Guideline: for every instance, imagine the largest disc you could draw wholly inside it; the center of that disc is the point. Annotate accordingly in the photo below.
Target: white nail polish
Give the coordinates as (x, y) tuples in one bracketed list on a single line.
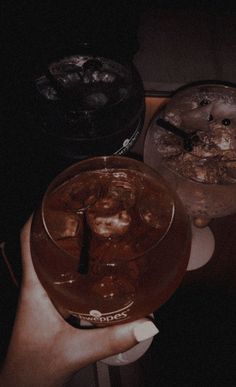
[(145, 331)]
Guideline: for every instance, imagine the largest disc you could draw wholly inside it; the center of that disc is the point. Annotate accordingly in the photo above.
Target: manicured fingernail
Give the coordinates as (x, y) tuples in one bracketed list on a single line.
[(145, 331)]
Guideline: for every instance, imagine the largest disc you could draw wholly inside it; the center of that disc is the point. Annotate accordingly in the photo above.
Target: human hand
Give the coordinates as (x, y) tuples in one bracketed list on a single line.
[(44, 349)]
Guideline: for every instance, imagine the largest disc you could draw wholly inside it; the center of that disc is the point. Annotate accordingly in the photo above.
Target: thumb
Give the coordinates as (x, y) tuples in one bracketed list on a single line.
[(100, 343)]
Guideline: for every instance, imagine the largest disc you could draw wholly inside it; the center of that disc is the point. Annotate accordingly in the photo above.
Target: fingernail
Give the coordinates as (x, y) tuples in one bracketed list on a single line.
[(145, 331)]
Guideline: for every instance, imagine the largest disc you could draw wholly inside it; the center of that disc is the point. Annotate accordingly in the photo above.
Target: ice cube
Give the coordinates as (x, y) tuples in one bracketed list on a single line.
[(184, 112), (157, 211), (109, 225), (149, 211), (73, 77), (221, 109), (196, 119), (107, 77), (97, 100), (62, 224), (124, 192), (168, 144)]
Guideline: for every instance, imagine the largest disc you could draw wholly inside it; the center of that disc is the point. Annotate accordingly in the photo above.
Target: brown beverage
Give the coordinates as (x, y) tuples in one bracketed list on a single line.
[(111, 241)]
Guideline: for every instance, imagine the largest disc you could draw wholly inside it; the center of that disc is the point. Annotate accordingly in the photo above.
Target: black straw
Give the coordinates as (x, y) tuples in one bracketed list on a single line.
[(188, 138)]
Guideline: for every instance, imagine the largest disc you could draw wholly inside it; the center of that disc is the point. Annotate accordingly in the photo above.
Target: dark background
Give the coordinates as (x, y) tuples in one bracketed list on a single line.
[(196, 346)]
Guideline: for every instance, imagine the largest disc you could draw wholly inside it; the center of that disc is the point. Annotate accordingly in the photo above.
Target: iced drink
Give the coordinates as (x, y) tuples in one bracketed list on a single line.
[(121, 217), (86, 105), (204, 176)]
